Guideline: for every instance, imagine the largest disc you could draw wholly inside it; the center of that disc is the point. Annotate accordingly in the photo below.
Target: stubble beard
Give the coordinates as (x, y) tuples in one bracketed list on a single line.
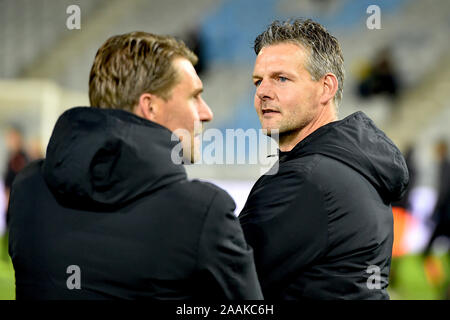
[(288, 129)]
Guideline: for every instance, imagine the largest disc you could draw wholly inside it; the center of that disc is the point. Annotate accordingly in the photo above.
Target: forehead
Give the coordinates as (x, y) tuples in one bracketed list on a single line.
[(281, 55)]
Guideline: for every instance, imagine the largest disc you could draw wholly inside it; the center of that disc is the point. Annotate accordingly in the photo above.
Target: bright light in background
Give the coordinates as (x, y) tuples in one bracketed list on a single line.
[(238, 190), (422, 200)]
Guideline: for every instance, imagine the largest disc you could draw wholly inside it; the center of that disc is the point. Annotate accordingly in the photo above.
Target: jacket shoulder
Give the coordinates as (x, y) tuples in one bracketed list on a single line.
[(322, 170), (336, 175), (203, 191)]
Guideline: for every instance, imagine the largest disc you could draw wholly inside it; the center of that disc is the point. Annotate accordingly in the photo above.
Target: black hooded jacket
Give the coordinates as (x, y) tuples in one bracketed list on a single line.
[(109, 202), (322, 226)]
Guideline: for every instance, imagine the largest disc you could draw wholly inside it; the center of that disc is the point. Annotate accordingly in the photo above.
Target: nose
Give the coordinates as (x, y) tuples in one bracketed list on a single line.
[(204, 112), (264, 91)]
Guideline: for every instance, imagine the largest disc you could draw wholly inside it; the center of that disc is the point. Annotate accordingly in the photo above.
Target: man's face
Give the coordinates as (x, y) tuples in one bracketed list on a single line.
[(13, 140), (185, 110), (286, 97)]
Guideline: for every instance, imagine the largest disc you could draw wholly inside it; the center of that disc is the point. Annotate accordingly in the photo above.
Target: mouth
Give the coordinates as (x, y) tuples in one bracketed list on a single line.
[(269, 112)]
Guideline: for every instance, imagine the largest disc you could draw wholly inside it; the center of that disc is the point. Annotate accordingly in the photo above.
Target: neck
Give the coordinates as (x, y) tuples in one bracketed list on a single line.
[(326, 115)]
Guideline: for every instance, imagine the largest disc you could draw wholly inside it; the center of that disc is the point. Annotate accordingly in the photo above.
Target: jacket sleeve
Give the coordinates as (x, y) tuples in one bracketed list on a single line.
[(225, 261)]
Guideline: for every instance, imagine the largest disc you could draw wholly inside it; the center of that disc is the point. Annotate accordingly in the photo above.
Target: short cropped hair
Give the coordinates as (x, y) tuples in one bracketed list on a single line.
[(128, 65), (325, 54)]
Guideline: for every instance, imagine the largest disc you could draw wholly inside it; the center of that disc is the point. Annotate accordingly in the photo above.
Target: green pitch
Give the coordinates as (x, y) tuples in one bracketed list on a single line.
[(408, 278), (7, 289)]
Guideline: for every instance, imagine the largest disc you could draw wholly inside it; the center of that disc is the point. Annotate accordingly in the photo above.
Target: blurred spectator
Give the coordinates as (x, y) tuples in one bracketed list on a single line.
[(381, 78), (440, 219), (17, 158), (34, 149), (441, 215), (403, 219)]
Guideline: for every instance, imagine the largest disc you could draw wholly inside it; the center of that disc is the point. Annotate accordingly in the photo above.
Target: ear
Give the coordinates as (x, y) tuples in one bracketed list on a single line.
[(330, 87), (147, 106)]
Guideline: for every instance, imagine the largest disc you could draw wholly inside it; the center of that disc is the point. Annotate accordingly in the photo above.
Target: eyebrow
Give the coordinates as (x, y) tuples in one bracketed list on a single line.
[(274, 74), (197, 91)]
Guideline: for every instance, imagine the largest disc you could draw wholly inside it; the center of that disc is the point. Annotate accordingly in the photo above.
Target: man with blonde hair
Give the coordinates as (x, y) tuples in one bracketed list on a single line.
[(108, 214)]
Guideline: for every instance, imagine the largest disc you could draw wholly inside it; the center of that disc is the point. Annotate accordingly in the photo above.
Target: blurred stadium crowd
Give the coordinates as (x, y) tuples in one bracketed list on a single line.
[(398, 75)]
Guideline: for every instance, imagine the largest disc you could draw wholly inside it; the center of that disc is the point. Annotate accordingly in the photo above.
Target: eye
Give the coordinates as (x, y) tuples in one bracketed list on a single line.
[(282, 79), (197, 96), (257, 83)]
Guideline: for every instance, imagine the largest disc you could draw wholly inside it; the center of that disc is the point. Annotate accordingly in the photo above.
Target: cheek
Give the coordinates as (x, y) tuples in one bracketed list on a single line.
[(194, 111), (190, 115), (314, 91), (182, 116), (256, 103), (289, 99), (297, 97)]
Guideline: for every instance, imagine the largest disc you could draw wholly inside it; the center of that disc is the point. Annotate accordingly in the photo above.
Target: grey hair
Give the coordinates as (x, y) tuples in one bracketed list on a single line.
[(325, 54)]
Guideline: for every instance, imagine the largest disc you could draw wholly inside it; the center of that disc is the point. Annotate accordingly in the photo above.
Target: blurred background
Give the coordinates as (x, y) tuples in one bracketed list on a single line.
[(398, 74)]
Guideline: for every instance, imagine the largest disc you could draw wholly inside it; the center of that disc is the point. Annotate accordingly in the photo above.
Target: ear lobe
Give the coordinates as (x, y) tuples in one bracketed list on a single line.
[(330, 87)]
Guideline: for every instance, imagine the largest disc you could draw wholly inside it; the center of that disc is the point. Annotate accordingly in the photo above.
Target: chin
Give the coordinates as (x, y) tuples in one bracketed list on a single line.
[(270, 131)]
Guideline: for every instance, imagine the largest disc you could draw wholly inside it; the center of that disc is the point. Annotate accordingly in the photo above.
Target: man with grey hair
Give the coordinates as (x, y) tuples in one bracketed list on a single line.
[(322, 226)]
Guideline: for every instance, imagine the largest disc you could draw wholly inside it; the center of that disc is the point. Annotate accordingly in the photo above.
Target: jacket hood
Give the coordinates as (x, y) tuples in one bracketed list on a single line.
[(108, 157), (358, 143)]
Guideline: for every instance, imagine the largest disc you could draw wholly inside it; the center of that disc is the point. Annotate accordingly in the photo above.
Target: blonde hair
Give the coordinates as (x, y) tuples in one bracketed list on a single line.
[(128, 65)]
